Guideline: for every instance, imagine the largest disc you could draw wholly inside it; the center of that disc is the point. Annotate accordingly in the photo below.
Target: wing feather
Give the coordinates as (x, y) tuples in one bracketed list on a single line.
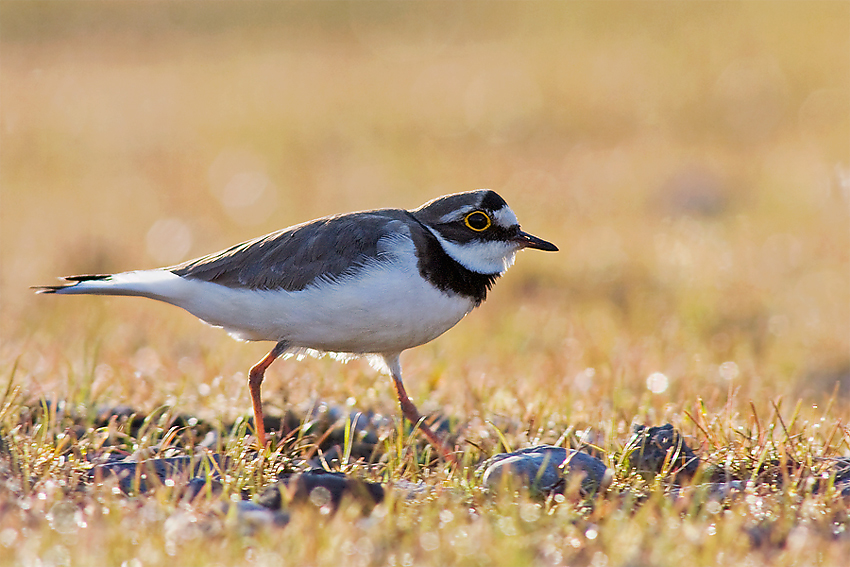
[(293, 258)]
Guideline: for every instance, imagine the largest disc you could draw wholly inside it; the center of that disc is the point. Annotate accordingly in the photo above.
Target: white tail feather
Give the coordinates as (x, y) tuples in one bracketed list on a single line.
[(155, 284)]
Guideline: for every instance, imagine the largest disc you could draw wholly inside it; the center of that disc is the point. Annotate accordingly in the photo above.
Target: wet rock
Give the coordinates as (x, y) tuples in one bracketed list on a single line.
[(650, 449), (321, 488), (841, 469), (837, 473), (250, 517), (202, 485), (144, 475), (546, 469)]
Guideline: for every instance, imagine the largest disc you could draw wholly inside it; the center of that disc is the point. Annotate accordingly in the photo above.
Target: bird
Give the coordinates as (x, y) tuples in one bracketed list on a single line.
[(369, 283)]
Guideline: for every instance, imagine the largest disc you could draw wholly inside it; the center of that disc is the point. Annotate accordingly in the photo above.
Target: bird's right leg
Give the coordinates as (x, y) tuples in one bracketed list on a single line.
[(408, 409), (255, 380)]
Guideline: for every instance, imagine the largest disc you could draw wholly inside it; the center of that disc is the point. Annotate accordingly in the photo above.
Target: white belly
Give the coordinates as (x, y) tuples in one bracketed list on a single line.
[(387, 308)]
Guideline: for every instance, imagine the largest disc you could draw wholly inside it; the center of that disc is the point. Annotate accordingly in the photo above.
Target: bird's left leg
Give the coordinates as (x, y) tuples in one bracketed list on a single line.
[(255, 380), (408, 409)]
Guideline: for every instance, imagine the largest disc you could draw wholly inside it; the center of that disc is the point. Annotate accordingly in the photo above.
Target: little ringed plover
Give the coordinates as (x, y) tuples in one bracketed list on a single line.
[(372, 282)]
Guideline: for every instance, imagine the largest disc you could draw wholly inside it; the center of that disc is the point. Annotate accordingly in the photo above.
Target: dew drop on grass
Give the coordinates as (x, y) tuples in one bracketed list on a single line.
[(429, 541), (728, 370), (62, 517), (57, 555), (584, 379), (506, 526), (8, 537), (599, 560), (530, 512), (364, 547), (657, 383), (320, 496), (146, 361)]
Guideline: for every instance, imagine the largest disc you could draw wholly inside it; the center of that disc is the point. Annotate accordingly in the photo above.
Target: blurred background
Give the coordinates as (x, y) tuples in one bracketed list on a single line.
[(691, 160)]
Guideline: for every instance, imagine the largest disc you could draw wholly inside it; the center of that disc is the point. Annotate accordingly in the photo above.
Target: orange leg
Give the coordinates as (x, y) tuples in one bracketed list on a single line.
[(408, 409), (255, 380)]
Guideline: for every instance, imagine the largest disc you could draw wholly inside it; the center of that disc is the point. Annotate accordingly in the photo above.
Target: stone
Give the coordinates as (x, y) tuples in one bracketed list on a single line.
[(144, 475), (649, 447), (546, 469), (251, 517), (320, 487)]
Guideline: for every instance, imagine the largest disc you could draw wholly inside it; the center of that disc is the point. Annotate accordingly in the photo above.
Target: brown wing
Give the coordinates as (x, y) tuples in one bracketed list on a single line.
[(292, 258)]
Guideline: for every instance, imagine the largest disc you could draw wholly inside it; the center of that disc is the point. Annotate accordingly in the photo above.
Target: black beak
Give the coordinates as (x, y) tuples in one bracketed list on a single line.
[(525, 240)]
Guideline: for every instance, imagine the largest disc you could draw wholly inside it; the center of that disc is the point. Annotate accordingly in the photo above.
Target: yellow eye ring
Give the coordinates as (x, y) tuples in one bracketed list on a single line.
[(478, 221)]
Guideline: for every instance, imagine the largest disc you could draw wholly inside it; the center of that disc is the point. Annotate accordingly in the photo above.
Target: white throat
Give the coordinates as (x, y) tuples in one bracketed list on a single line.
[(481, 257)]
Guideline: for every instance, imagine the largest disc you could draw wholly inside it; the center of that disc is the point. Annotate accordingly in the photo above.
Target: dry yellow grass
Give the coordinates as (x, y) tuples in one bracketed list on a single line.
[(691, 160)]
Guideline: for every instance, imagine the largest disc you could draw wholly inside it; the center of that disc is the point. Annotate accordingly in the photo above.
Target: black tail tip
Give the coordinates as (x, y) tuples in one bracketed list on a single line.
[(87, 278), (46, 288), (72, 281)]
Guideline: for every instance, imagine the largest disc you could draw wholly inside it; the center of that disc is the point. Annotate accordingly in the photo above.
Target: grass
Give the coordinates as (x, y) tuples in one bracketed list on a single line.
[(690, 160)]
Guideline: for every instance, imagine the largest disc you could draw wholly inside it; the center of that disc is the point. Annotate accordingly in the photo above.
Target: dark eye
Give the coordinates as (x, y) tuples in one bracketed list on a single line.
[(477, 221)]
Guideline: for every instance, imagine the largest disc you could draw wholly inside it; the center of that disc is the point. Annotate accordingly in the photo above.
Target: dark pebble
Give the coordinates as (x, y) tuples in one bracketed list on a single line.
[(250, 517), (648, 450), (321, 487), (143, 476)]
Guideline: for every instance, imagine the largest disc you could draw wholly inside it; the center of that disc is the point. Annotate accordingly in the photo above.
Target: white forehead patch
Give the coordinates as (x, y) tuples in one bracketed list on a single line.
[(505, 217)]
